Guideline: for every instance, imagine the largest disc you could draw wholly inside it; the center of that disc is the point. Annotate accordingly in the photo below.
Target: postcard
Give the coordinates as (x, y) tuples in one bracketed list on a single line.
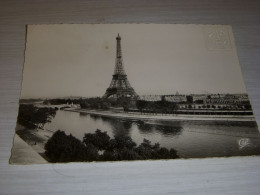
[(121, 92)]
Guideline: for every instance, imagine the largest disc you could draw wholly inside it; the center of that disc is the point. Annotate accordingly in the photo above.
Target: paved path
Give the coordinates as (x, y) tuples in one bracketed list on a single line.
[(22, 153)]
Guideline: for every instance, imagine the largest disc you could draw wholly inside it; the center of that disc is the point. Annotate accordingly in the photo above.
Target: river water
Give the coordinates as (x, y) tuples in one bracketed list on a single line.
[(191, 139)]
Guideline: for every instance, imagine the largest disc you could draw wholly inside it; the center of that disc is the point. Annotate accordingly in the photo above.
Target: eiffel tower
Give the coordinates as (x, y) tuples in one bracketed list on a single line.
[(119, 86)]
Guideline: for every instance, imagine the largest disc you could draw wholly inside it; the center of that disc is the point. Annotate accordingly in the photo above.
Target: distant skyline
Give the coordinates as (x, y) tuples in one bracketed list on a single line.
[(78, 60)]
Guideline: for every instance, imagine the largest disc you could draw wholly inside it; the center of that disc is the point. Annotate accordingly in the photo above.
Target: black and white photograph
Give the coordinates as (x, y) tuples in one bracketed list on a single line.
[(124, 92)]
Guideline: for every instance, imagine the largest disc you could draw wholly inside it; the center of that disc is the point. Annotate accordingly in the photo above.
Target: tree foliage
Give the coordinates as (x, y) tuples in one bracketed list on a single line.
[(99, 146), (31, 116), (66, 148), (98, 139), (106, 103), (162, 106)]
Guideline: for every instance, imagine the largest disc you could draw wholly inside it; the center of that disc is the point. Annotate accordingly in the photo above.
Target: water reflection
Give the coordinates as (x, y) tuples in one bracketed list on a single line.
[(94, 117), (82, 114), (169, 130), (119, 127), (162, 128), (189, 138), (144, 127)]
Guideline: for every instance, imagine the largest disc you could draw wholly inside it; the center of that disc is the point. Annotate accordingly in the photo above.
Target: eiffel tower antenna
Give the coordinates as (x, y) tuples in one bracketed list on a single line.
[(119, 86)]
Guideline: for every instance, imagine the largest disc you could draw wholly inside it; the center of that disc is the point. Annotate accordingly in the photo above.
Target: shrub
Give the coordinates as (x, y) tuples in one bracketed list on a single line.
[(31, 116), (66, 148), (100, 139)]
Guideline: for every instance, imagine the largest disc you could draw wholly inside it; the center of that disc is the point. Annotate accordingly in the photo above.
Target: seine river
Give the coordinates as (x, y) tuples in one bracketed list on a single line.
[(189, 138)]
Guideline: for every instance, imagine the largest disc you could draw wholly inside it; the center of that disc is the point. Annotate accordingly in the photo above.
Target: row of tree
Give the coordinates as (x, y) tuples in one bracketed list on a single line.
[(99, 146), (162, 106), (105, 104), (31, 116), (94, 103), (59, 101)]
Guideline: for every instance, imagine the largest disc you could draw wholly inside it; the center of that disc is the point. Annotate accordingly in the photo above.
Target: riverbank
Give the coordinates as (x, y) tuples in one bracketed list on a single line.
[(165, 117), (35, 138), (23, 153)]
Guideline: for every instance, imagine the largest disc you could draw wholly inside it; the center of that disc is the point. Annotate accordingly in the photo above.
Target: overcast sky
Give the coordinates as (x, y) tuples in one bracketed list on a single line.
[(78, 60)]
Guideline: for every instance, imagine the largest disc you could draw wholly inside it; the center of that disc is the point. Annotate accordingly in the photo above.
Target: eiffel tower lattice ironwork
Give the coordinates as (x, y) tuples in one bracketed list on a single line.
[(119, 86)]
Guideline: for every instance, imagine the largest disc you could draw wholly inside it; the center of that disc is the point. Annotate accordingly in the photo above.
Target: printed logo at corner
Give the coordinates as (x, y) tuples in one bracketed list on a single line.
[(217, 37), (244, 142)]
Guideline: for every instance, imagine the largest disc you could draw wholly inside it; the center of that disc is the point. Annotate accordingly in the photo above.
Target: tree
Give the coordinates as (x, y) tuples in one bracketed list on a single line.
[(83, 105), (99, 139), (31, 116), (105, 105), (123, 141), (108, 155), (66, 148), (148, 151), (173, 154), (248, 107), (189, 99), (128, 154), (141, 104)]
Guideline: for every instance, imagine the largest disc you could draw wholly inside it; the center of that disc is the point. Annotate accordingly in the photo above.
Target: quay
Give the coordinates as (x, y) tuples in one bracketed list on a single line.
[(172, 117)]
